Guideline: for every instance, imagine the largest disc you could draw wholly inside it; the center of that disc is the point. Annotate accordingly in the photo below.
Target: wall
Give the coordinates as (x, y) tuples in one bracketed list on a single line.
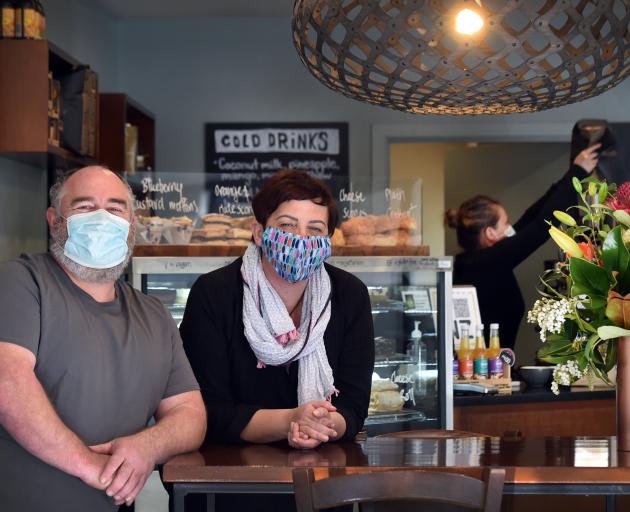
[(425, 161), (192, 71), (516, 175), (90, 35)]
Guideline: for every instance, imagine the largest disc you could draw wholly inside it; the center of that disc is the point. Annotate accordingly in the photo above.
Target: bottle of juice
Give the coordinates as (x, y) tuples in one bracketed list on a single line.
[(495, 364), (464, 355), (480, 357)]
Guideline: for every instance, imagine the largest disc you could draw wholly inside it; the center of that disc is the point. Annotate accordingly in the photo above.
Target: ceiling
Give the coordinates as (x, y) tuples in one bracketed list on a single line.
[(181, 8)]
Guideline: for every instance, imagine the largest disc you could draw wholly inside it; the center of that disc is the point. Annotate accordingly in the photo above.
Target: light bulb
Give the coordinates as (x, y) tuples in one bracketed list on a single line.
[(468, 22)]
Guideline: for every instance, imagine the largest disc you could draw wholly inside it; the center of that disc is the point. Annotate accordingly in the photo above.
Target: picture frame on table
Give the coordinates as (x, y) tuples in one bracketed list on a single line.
[(465, 310), (418, 304), (416, 300)]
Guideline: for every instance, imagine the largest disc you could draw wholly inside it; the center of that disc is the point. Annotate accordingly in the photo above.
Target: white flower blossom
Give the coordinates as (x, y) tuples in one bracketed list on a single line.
[(566, 374), (549, 315)]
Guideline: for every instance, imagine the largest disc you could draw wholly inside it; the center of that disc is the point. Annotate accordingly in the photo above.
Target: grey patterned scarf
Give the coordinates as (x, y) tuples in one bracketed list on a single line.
[(273, 336)]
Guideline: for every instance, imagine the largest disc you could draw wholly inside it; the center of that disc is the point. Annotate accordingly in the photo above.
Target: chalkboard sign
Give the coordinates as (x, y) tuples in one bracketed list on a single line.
[(246, 154)]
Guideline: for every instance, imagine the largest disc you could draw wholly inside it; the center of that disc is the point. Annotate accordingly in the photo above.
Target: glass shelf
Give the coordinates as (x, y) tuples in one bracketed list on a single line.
[(392, 362), (394, 417)]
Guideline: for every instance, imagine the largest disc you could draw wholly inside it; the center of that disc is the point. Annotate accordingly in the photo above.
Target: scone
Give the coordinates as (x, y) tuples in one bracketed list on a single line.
[(360, 225), (359, 240), (243, 222), (386, 223), (237, 234), (217, 218), (212, 231), (338, 238)]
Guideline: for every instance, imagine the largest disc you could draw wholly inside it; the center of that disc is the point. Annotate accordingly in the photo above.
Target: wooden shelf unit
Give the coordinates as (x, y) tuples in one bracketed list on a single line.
[(24, 103), (117, 109)]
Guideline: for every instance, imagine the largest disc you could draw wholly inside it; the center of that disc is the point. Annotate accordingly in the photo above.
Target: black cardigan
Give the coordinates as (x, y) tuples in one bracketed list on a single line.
[(233, 388), (490, 269)]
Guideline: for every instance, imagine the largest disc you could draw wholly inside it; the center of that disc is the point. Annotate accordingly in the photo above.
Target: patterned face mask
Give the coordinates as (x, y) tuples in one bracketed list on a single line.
[(294, 258)]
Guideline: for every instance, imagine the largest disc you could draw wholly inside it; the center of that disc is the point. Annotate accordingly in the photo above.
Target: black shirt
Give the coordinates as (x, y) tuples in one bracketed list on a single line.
[(491, 269), (233, 388)]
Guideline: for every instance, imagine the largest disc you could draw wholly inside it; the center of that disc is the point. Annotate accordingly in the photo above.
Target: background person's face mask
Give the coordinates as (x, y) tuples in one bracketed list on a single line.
[(96, 239), (293, 257), (510, 231)]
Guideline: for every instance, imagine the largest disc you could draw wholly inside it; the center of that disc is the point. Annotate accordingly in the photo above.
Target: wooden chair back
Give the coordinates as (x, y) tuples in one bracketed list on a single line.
[(405, 485)]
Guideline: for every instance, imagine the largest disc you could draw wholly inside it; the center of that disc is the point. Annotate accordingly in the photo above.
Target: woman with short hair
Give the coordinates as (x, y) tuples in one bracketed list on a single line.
[(282, 343)]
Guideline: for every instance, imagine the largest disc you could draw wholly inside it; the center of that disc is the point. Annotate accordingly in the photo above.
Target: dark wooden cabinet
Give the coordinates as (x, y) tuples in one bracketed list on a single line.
[(117, 110), (25, 65)]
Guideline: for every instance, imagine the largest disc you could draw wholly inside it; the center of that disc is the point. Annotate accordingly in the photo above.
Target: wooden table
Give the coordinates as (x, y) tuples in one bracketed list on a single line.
[(549, 465)]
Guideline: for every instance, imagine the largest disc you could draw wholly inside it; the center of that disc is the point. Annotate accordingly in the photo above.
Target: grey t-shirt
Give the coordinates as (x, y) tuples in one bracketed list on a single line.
[(104, 366)]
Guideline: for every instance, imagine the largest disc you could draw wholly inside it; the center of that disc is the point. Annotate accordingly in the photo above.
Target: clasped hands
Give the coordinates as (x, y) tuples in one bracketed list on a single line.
[(312, 424), (120, 467)]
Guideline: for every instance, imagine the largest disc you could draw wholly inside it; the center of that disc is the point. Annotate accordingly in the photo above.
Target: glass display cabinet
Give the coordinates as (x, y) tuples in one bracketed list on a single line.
[(411, 384)]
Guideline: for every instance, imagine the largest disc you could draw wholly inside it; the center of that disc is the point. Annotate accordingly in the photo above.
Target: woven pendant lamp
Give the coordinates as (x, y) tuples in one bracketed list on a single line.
[(465, 56)]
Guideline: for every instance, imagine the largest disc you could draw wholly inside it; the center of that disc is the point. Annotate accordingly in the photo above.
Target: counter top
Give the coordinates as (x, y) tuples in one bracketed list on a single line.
[(536, 395), (550, 460)]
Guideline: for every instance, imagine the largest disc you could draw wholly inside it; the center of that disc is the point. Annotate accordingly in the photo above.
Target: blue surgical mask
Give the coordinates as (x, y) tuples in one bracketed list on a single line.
[(97, 239), (510, 231)]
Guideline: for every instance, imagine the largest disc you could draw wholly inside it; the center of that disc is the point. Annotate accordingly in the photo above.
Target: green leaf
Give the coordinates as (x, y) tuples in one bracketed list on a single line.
[(603, 192), (622, 217), (608, 332), (579, 207), (589, 277), (577, 185), (611, 355), (565, 218), (590, 346), (570, 328), (557, 350), (614, 252)]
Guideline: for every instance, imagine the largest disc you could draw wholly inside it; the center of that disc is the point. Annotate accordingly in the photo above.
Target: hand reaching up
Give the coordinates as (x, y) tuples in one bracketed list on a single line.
[(587, 159)]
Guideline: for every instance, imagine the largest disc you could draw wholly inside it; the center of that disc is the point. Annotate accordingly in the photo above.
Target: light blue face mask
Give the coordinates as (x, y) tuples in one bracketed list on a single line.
[(97, 239)]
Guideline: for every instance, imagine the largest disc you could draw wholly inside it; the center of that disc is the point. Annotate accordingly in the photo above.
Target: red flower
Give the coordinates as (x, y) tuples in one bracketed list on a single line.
[(621, 201), (587, 250)]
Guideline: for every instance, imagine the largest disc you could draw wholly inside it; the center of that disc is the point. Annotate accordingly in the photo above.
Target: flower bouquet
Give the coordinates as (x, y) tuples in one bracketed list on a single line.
[(585, 303)]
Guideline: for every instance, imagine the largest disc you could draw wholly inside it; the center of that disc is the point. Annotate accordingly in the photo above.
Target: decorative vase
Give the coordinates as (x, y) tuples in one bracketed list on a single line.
[(623, 394)]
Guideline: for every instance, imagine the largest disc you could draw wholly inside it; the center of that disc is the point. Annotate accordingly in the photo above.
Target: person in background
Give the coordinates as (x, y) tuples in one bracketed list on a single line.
[(492, 247), (86, 361), (282, 344)]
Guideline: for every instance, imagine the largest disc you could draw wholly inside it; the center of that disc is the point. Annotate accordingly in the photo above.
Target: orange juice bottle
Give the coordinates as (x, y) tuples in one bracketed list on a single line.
[(464, 355), (495, 364), (479, 355)]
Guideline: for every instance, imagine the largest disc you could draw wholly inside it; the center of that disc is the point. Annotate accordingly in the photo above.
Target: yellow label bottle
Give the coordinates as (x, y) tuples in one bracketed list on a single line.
[(464, 355), (495, 364), (480, 357)]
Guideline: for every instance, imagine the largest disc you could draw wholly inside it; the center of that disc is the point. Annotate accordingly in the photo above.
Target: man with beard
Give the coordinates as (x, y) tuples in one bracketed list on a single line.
[(86, 361)]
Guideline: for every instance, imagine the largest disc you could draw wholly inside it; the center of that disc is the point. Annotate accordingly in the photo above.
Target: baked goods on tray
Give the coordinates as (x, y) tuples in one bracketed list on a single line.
[(380, 230), (384, 396), (218, 229), (213, 229)]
